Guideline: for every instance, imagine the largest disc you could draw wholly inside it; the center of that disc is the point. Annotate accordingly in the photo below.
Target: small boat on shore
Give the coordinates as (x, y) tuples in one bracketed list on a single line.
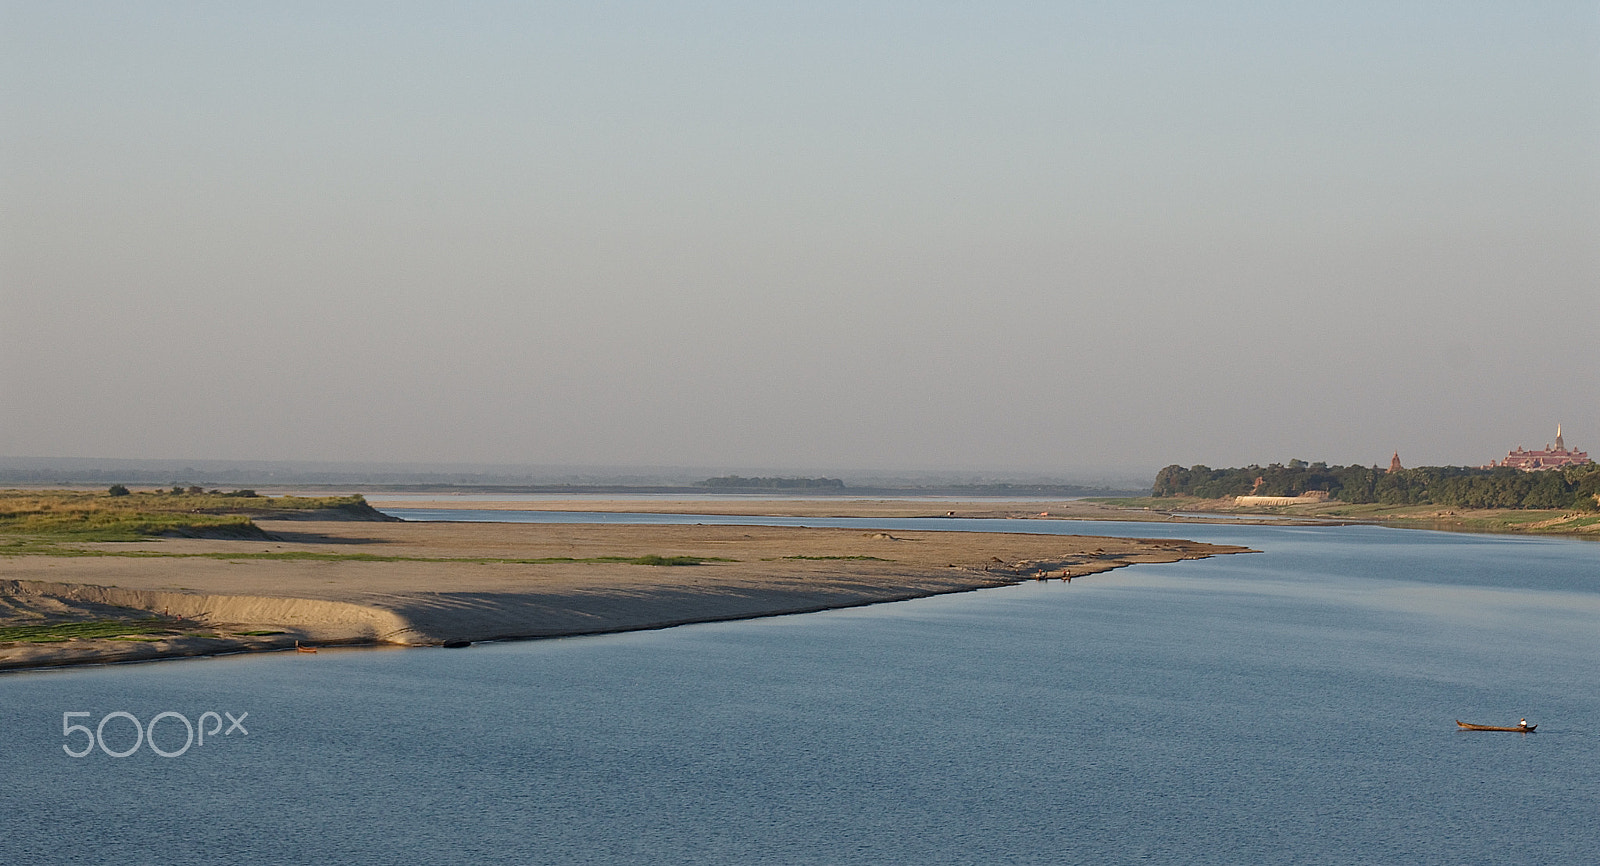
[(1521, 729)]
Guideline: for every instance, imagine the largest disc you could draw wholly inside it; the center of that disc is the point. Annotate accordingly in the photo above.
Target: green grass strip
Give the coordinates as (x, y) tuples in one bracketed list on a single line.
[(857, 558), (61, 631), (36, 548)]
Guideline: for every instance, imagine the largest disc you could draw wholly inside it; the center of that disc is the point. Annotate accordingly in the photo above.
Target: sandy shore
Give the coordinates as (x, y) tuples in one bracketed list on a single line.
[(450, 582)]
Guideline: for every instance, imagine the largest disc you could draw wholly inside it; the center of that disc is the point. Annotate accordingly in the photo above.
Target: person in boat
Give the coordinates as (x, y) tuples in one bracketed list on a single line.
[(1522, 723)]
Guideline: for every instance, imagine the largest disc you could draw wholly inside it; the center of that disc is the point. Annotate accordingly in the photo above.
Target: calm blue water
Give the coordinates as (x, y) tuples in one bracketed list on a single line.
[(1293, 706)]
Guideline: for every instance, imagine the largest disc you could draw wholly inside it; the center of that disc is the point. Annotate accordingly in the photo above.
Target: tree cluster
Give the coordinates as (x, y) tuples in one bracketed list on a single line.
[(180, 490), (1571, 487)]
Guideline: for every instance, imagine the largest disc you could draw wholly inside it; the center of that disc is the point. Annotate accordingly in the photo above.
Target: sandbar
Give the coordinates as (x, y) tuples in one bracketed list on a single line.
[(840, 506), (410, 584)]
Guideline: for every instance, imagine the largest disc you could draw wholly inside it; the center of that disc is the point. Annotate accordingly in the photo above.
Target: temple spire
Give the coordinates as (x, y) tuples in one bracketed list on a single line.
[(1559, 446)]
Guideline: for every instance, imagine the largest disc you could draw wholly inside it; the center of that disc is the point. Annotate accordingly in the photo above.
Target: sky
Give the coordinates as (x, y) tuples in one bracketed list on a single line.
[(807, 237)]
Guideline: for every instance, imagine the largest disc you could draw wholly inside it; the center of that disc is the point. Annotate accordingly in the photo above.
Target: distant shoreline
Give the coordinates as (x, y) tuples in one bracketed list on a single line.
[(1495, 521), (1145, 509)]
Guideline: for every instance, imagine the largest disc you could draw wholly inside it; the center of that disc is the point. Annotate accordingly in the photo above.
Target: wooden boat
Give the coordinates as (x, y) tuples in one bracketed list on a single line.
[(1518, 728), (303, 649)]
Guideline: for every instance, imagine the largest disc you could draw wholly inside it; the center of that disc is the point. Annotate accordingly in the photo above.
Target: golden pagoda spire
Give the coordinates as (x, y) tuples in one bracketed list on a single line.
[(1559, 446)]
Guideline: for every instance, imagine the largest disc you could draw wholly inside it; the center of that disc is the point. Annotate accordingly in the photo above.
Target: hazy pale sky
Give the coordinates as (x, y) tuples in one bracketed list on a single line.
[(819, 235)]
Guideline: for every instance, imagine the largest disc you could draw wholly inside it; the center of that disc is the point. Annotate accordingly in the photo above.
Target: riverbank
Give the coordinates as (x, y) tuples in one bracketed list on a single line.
[(1525, 521), (324, 583)]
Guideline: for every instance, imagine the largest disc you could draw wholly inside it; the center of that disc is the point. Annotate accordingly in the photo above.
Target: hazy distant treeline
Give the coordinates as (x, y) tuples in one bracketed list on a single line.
[(1573, 487), (771, 483)]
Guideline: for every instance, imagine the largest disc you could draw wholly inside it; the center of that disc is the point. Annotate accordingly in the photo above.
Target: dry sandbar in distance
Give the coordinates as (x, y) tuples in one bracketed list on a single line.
[(840, 506), (343, 582)]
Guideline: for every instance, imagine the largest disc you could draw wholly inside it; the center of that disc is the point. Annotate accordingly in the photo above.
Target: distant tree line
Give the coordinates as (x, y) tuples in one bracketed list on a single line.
[(1571, 487), (771, 483)]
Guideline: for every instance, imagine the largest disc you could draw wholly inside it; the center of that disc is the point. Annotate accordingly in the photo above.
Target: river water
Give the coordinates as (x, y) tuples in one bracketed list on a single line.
[(1291, 706)]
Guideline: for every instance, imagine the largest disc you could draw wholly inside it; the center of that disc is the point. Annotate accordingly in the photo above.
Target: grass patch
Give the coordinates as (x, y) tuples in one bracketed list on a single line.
[(647, 559), (652, 559), (96, 526), (856, 558), (63, 631)]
